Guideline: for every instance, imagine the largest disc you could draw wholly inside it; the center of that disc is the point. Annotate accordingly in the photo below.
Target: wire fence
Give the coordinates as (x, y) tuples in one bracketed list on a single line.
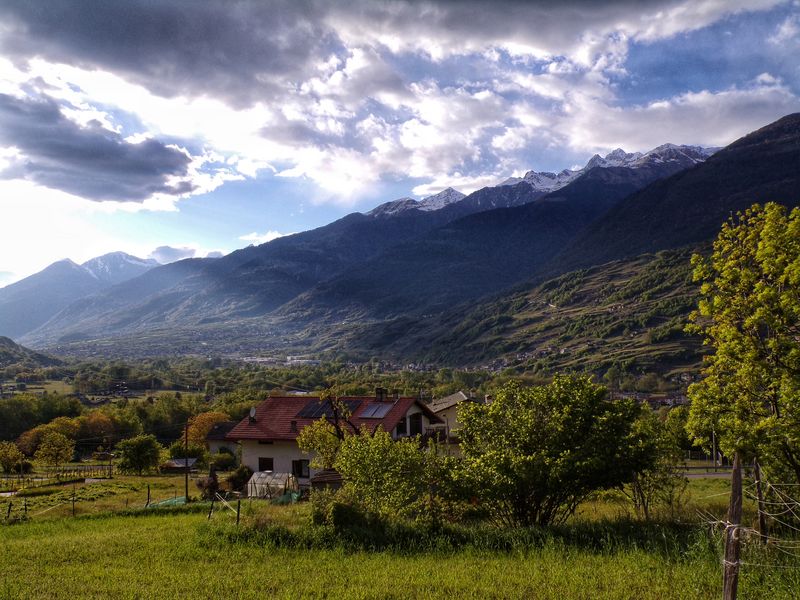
[(53, 476), (778, 545), (110, 497)]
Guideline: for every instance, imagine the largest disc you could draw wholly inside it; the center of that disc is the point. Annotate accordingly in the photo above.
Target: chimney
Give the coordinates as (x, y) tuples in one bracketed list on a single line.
[(380, 394), (396, 394)]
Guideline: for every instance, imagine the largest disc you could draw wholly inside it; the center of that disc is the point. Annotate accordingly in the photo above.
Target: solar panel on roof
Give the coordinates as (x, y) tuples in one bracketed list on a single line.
[(315, 409), (376, 410)]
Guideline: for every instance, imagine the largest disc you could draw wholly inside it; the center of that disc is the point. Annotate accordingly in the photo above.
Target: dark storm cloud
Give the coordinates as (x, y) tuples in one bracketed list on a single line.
[(91, 161), (239, 51), (247, 50)]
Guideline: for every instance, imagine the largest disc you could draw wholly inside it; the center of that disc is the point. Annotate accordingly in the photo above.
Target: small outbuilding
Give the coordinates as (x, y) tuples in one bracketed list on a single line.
[(179, 465)]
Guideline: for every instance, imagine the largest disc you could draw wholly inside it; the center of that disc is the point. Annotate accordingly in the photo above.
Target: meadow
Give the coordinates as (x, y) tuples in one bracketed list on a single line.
[(180, 553)]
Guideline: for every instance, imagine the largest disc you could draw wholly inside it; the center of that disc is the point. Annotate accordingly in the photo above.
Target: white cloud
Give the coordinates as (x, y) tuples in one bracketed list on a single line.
[(705, 117), (262, 238), (788, 31), (352, 116)]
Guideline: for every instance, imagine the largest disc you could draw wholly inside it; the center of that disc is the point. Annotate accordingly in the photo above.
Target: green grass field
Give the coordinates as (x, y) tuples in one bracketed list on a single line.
[(180, 554)]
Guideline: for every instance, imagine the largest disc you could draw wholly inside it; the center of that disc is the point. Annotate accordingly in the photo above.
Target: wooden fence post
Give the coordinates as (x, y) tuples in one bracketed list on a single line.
[(762, 516), (238, 510), (730, 581), (211, 510)]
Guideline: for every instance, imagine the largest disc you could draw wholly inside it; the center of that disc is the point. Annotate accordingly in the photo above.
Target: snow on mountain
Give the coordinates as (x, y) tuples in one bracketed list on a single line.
[(117, 267), (387, 209), (548, 182), (545, 181), (435, 202), (440, 200)]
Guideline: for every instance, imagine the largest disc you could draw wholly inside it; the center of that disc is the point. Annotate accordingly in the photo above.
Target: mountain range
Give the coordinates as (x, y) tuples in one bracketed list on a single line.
[(370, 283), (29, 303)]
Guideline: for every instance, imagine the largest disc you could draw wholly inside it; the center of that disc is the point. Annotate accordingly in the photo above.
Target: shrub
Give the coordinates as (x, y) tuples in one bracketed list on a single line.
[(239, 478), (535, 453), (223, 461)]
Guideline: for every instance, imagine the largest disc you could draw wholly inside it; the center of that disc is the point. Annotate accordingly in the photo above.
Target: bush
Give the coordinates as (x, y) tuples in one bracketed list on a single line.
[(223, 461), (208, 486), (239, 478), (23, 468), (535, 453)]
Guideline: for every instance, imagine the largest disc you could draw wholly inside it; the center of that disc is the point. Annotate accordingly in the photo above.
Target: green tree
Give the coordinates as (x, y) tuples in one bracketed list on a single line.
[(10, 456), (533, 454), (55, 449), (749, 313), (320, 439), (139, 454), (386, 476), (659, 480)]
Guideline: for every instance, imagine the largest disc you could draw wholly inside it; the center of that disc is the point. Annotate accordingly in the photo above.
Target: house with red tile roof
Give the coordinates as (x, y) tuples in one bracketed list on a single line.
[(268, 437)]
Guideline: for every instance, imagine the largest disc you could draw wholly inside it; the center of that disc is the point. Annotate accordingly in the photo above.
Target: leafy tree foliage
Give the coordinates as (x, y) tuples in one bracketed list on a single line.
[(139, 454), (391, 478), (55, 449), (658, 481), (201, 424), (749, 313), (10, 457), (533, 454), (320, 439)]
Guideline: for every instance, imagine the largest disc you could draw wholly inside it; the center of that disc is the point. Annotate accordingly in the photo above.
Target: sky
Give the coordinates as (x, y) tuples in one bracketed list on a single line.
[(175, 128)]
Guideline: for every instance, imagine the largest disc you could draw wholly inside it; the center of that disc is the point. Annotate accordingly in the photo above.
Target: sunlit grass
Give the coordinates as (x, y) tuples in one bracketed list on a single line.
[(180, 554)]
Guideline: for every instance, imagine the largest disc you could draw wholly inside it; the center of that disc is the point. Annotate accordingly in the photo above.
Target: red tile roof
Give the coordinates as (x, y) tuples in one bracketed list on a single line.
[(275, 415)]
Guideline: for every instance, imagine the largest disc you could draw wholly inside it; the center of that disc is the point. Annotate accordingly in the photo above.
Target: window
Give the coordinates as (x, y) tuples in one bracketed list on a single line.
[(401, 427), (300, 468), (415, 424), (265, 463)]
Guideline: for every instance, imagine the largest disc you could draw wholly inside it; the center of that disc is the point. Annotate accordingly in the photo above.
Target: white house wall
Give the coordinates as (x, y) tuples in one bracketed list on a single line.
[(281, 453)]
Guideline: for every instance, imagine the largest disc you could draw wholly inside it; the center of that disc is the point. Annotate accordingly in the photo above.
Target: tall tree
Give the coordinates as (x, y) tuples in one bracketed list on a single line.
[(55, 449), (535, 453), (139, 454), (10, 456), (749, 314)]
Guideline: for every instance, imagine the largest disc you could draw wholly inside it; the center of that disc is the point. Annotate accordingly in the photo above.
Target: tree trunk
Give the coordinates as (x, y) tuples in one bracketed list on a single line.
[(730, 581)]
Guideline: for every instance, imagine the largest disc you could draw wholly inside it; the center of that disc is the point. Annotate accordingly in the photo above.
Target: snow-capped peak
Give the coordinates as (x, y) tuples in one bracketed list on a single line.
[(547, 182), (435, 202), (116, 267), (544, 181), (393, 207), (440, 200)]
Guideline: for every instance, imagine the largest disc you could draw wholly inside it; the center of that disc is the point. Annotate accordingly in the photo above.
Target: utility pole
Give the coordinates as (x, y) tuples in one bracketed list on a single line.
[(730, 580), (186, 461)]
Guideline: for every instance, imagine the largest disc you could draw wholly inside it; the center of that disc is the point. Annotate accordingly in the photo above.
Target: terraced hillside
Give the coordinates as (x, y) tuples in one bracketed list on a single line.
[(630, 313)]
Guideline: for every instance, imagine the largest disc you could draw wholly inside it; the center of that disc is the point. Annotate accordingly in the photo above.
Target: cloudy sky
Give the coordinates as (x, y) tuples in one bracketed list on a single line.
[(171, 128)]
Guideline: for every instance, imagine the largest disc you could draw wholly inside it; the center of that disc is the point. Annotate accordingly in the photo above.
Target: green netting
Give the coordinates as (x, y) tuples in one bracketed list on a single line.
[(287, 498), (177, 501)]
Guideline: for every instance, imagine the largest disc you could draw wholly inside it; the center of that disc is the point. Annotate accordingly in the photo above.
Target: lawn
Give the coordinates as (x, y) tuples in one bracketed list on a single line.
[(180, 554)]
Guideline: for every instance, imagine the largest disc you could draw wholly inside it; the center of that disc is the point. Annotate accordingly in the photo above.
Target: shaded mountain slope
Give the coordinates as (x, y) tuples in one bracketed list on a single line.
[(255, 280), (14, 354), (475, 255), (690, 206)]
